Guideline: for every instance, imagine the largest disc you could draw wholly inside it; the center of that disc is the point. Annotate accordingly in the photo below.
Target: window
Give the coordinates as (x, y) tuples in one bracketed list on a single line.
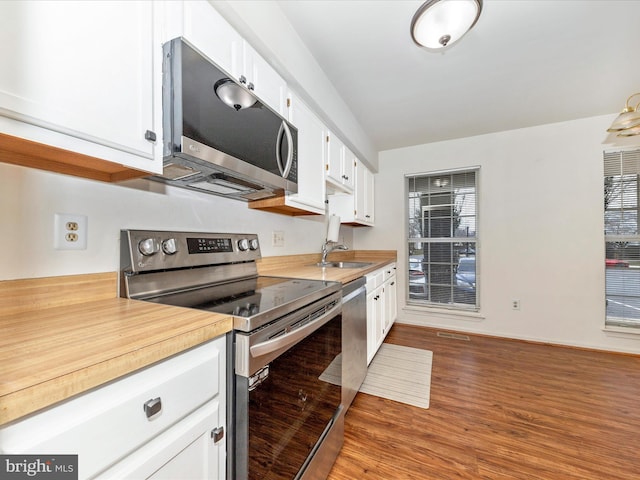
[(442, 239), (622, 239)]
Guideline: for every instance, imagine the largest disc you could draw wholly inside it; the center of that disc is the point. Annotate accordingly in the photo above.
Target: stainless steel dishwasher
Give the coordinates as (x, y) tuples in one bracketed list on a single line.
[(354, 339)]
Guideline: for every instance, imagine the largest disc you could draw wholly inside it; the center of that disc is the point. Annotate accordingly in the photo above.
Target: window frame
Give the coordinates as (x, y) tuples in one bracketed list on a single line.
[(456, 241), (621, 228)]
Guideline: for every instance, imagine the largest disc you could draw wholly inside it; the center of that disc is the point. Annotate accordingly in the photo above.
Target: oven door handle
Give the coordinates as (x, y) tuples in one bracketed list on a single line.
[(292, 337)]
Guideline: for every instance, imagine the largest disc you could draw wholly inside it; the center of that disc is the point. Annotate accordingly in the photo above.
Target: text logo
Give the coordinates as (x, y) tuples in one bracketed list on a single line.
[(49, 467)]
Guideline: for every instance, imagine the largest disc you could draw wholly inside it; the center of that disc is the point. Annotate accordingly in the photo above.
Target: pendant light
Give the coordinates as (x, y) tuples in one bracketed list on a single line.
[(440, 23), (627, 123)]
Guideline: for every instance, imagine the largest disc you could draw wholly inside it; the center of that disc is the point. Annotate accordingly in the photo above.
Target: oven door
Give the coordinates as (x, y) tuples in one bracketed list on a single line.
[(287, 408)]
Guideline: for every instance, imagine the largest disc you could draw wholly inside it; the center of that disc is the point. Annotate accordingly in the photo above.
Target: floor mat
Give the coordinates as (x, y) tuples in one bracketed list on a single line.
[(398, 373)]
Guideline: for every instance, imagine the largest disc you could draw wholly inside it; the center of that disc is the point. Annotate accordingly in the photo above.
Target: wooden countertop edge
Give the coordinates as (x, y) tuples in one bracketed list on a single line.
[(38, 396)]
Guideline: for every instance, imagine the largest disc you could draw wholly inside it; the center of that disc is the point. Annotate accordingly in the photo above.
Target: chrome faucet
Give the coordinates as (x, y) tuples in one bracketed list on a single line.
[(329, 247)]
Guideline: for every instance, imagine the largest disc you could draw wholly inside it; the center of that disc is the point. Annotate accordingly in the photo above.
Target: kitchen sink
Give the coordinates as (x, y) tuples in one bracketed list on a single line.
[(343, 264)]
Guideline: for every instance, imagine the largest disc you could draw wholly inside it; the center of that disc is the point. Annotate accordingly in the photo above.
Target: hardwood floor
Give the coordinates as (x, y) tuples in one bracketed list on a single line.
[(501, 409)]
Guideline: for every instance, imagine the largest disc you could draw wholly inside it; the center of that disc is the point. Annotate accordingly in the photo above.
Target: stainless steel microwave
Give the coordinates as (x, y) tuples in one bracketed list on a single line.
[(219, 138)]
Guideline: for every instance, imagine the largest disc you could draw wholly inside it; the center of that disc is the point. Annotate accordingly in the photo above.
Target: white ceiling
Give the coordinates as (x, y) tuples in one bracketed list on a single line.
[(525, 63)]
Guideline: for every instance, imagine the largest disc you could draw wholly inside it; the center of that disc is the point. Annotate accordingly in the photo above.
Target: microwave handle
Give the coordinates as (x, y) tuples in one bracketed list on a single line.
[(284, 130)]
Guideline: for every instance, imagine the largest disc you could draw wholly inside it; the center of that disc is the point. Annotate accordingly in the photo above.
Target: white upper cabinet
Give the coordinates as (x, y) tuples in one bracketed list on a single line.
[(339, 170), (310, 198), (80, 76), (364, 194), (204, 28), (260, 77), (335, 160), (311, 145), (356, 208), (349, 169)]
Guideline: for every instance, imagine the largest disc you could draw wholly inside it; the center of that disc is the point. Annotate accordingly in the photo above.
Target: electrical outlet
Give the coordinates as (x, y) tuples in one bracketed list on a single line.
[(515, 304), (277, 239), (70, 231)]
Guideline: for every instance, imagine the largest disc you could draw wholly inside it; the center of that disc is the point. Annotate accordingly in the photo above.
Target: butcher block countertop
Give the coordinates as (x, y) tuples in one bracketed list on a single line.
[(61, 336), (303, 266)]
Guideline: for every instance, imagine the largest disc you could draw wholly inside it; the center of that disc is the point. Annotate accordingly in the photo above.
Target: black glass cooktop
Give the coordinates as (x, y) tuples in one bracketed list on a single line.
[(255, 301)]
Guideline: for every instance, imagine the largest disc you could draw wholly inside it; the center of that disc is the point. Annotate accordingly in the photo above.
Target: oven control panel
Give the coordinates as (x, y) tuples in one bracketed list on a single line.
[(148, 250), (209, 245)]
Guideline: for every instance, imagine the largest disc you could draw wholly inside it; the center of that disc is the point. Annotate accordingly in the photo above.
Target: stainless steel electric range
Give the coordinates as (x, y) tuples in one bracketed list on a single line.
[(283, 421)]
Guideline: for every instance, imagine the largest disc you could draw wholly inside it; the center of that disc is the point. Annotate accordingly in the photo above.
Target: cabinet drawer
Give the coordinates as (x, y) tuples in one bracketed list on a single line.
[(388, 271), (374, 279), (108, 423)]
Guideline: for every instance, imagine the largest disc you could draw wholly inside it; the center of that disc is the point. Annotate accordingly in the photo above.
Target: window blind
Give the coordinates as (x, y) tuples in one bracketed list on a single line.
[(442, 238), (622, 239)]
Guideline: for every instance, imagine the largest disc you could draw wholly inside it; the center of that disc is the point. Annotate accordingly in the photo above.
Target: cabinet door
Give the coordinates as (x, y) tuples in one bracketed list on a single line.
[(348, 169), (363, 193), (82, 73), (390, 305), (335, 159), (379, 306), (186, 451), (369, 189), (356, 207), (202, 459), (208, 31), (311, 145), (371, 326), (375, 319), (267, 84)]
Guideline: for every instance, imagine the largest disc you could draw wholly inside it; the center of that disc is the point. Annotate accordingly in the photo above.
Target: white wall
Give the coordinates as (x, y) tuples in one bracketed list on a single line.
[(540, 231), (30, 198)]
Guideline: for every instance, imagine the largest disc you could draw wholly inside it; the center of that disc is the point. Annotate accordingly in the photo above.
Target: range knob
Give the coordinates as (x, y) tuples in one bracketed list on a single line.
[(169, 246), (253, 244), (243, 244), (148, 247)]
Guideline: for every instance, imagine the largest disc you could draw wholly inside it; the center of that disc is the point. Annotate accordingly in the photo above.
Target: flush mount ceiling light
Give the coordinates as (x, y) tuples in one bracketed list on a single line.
[(627, 123), (234, 95), (440, 23)]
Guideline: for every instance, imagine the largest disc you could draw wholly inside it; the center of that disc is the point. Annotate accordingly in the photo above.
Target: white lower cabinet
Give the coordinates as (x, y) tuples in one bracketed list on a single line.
[(375, 309), (187, 452), (381, 306), (390, 298), (164, 421)]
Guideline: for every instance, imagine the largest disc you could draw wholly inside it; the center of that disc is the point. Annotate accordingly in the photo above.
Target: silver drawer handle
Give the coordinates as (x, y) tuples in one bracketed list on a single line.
[(217, 434), (152, 407)]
